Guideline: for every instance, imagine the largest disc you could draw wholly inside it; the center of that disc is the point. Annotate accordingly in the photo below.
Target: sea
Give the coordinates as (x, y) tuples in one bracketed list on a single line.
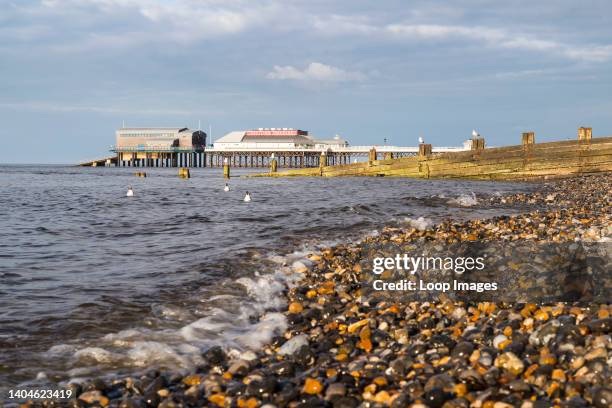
[(97, 284)]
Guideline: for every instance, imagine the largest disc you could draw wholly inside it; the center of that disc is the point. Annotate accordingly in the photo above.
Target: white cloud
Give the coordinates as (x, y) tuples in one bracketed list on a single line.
[(315, 71), (502, 39), (184, 22)]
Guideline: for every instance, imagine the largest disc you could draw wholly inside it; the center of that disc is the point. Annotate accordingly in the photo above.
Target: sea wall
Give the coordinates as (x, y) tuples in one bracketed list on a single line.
[(527, 161)]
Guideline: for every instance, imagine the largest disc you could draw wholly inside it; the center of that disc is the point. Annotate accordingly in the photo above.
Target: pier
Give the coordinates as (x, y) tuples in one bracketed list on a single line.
[(291, 148), (255, 157)]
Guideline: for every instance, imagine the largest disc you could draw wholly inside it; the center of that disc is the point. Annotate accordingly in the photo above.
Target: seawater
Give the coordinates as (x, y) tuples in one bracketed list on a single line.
[(94, 283)]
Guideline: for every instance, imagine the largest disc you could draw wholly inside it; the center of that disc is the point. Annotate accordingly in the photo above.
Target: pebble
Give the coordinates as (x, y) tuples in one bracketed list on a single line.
[(312, 386), (510, 362), (344, 350), (335, 390), (294, 344)]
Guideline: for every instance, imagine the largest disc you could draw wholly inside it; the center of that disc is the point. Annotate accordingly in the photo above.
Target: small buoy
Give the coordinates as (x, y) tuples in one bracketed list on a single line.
[(226, 188), (130, 192), (247, 197)]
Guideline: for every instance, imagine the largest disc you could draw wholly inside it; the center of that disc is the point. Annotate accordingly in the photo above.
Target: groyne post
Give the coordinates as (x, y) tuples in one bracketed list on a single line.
[(372, 155), (273, 164), (528, 138), (585, 134), (424, 149), (226, 168), (322, 162), (424, 154), (478, 143), (184, 172)]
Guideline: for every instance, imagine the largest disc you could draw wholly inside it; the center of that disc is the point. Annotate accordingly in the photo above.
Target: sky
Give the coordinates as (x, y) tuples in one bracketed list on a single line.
[(72, 71)]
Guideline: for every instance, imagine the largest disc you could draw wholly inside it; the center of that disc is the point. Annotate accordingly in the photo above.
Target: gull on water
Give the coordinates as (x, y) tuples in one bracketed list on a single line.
[(226, 188), (130, 192), (247, 197)]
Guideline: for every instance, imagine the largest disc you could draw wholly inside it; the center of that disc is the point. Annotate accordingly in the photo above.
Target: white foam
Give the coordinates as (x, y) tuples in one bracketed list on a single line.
[(146, 353), (60, 349), (97, 354), (464, 200), (420, 223), (262, 332), (242, 321), (171, 312)]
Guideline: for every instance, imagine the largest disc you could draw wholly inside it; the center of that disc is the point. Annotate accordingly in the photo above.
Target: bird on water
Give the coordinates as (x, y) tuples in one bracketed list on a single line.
[(130, 192), (247, 197), (226, 188)]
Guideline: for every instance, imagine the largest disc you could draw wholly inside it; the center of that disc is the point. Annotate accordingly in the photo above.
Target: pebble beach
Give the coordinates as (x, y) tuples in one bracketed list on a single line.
[(344, 350)]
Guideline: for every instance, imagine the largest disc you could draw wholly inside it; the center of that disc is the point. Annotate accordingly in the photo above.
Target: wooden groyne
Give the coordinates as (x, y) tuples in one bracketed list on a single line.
[(528, 160), (104, 161)]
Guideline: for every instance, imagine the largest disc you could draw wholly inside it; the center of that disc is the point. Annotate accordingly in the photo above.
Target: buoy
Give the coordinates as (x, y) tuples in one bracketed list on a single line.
[(247, 197), (130, 192), (226, 188)]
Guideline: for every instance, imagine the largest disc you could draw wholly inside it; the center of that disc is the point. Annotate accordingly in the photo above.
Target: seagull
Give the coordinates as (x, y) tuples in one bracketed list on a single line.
[(130, 192), (475, 134), (247, 197), (226, 188), (421, 141)]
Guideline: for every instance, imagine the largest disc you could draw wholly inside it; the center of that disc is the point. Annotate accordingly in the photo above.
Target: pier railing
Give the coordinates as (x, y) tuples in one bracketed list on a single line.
[(280, 147), (152, 149)]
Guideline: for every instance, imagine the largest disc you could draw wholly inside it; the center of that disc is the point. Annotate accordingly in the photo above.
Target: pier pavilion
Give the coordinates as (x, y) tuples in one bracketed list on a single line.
[(291, 148)]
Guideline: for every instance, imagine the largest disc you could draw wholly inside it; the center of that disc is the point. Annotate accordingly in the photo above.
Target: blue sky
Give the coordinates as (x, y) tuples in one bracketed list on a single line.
[(72, 70)]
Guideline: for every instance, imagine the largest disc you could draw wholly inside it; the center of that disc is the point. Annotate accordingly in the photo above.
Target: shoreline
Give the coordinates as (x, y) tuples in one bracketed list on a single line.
[(341, 351)]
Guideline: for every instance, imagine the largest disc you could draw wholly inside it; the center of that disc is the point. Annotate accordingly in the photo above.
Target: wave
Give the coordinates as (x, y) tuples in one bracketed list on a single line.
[(464, 200)]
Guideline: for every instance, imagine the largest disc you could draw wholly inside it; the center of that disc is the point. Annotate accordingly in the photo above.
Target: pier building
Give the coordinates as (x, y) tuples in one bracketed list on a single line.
[(291, 148), (160, 147)]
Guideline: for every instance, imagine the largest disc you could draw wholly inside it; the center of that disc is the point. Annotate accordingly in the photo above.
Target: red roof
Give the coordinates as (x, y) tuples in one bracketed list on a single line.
[(276, 132)]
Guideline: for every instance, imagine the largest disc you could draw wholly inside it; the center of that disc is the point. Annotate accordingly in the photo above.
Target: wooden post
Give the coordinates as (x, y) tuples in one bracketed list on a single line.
[(323, 160), (424, 150), (226, 168), (372, 155), (585, 134), (478, 143), (528, 138), (184, 172), (273, 164)]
